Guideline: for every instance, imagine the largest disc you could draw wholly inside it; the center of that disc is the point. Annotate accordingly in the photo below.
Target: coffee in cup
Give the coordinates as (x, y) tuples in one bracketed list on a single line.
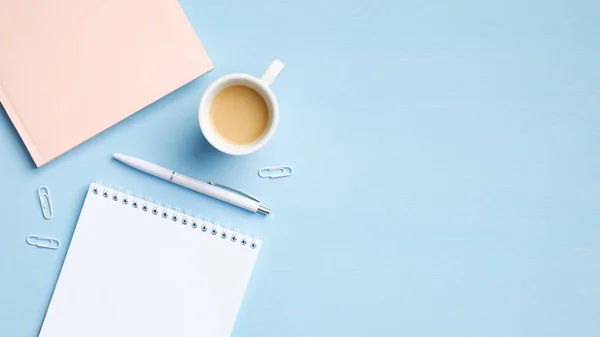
[(238, 113)]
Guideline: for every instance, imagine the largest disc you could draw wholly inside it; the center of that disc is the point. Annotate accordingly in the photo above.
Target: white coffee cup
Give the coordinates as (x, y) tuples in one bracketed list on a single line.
[(260, 85)]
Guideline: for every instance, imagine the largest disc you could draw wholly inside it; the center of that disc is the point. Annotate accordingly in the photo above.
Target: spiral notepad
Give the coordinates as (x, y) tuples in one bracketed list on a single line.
[(140, 268)]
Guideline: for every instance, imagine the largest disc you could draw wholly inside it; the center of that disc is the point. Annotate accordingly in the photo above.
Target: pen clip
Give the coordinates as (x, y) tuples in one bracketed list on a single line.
[(233, 190)]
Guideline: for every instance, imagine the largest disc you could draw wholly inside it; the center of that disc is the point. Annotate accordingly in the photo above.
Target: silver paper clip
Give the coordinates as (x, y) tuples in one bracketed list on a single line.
[(43, 242), (275, 172), (46, 202)]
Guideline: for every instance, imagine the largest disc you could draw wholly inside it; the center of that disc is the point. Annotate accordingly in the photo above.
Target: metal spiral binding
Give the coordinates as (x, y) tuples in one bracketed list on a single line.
[(174, 215)]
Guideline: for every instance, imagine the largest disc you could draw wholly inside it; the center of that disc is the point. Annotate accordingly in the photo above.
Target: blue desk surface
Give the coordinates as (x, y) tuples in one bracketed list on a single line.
[(446, 170)]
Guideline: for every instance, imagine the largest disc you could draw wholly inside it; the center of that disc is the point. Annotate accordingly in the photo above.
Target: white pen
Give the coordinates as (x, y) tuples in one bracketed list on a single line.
[(244, 201)]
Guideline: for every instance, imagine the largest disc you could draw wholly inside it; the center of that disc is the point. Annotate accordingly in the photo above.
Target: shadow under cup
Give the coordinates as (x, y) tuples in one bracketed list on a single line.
[(205, 109)]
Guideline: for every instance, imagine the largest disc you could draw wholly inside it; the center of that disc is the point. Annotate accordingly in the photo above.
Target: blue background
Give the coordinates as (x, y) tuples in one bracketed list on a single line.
[(446, 170)]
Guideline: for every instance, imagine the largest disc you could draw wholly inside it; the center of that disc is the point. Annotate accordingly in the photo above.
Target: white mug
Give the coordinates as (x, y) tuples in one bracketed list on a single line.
[(261, 85)]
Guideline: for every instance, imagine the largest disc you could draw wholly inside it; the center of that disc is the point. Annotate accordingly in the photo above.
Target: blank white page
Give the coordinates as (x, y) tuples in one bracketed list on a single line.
[(133, 273)]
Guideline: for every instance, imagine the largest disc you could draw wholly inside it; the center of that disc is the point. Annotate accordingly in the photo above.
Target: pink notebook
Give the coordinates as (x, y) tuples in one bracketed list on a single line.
[(70, 69)]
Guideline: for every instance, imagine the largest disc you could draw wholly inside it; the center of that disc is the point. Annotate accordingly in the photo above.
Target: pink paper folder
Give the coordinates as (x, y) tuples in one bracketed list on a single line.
[(69, 69)]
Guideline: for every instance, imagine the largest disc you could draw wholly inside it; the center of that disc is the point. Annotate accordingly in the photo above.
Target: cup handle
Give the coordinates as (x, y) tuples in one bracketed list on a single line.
[(272, 71)]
